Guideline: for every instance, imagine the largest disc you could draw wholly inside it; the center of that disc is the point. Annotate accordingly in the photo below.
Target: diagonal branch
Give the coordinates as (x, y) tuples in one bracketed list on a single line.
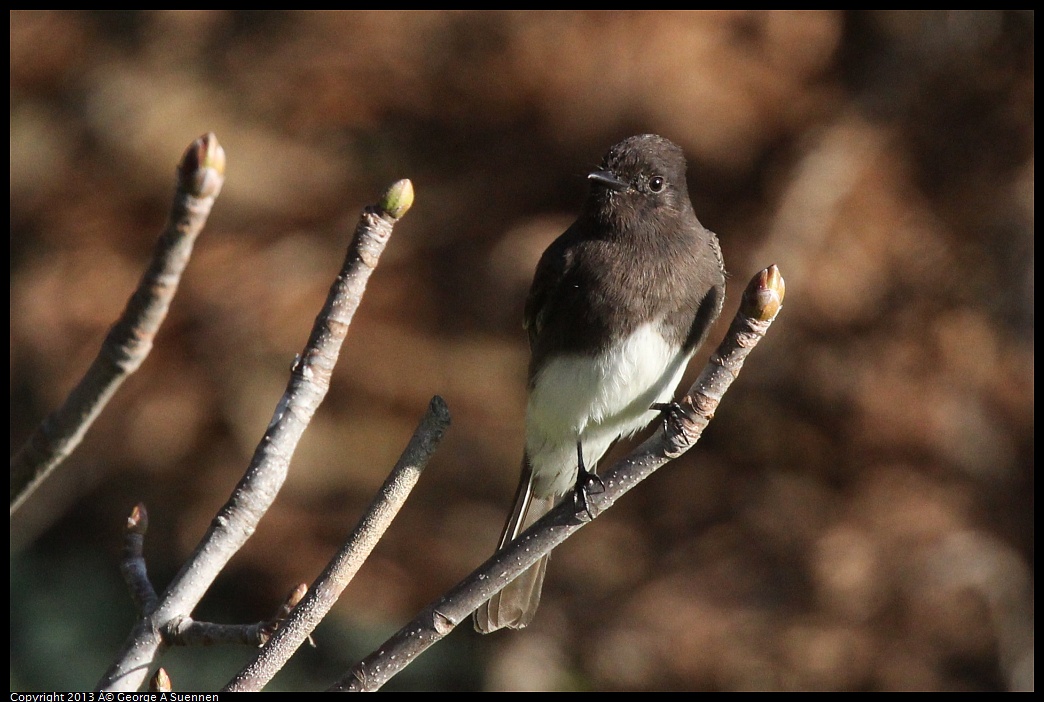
[(346, 563), (683, 426), (201, 174), (251, 498)]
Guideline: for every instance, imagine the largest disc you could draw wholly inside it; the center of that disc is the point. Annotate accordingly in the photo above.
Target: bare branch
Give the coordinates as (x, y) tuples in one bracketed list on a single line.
[(133, 564), (251, 498), (201, 174), (186, 631), (683, 426), (343, 567)]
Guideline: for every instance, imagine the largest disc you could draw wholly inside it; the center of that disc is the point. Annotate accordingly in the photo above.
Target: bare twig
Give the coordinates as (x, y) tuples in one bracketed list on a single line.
[(251, 498), (200, 177), (685, 422), (343, 567), (133, 563), (186, 631)]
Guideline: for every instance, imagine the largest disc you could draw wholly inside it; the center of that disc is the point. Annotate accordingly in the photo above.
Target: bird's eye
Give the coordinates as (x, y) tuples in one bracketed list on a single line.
[(656, 183)]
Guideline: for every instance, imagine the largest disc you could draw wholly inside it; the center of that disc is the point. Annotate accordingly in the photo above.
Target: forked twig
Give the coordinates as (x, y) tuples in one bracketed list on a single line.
[(251, 498), (346, 563)]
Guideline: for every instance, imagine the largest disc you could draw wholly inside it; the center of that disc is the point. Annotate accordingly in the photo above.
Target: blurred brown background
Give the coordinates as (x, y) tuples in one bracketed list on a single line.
[(858, 516)]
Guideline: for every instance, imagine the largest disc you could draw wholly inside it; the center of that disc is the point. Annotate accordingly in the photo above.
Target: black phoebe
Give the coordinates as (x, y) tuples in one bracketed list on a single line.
[(619, 304)]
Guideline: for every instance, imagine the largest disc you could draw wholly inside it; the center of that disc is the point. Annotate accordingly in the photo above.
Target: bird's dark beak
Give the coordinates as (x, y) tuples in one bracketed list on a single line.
[(608, 179)]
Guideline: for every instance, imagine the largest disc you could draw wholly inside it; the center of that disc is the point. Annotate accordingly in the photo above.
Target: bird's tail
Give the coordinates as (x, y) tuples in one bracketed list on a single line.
[(515, 606)]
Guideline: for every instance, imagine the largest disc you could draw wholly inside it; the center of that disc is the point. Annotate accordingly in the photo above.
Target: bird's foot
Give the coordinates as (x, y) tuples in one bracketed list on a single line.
[(669, 411), (586, 482)]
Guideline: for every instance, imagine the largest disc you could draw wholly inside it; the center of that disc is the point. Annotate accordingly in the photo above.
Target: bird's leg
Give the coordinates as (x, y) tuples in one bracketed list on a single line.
[(585, 480)]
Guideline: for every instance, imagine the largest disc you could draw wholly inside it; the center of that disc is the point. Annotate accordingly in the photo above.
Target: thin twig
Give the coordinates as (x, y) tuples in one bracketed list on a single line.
[(186, 631), (251, 498), (762, 300), (343, 567), (201, 174), (132, 565)]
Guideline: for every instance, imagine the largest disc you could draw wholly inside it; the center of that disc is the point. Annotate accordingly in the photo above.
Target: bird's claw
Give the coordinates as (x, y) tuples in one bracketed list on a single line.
[(668, 411), (585, 482)]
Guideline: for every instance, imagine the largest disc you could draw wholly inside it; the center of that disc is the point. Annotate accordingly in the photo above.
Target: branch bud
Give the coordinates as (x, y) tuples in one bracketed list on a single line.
[(397, 199), (201, 172), (763, 297)]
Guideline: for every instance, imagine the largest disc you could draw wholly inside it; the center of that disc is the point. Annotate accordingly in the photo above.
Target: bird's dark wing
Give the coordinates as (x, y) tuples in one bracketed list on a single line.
[(551, 271)]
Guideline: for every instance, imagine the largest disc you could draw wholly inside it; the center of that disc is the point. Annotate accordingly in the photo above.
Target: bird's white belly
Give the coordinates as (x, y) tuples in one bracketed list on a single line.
[(597, 399)]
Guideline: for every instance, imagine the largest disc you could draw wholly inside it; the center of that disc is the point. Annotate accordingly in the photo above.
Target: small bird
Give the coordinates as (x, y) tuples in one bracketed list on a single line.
[(619, 304)]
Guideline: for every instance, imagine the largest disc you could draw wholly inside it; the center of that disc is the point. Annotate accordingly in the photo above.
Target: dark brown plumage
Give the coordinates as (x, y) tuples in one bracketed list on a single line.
[(618, 305)]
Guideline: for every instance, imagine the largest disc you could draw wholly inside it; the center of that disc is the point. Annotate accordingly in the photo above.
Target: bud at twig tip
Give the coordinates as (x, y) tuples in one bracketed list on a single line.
[(397, 199), (763, 297), (138, 521), (296, 595), (202, 168), (160, 681)]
